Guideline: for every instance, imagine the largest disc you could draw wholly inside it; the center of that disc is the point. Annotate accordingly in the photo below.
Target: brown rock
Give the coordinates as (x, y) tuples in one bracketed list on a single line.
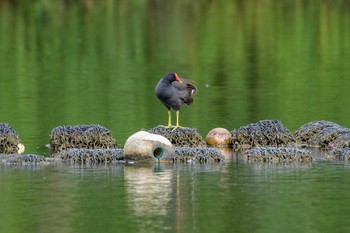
[(219, 137)]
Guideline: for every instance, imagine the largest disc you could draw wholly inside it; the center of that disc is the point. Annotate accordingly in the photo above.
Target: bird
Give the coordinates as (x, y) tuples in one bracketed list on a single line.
[(173, 92)]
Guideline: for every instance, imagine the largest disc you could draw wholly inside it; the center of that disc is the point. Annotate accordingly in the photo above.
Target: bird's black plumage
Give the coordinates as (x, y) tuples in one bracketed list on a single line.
[(173, 92)]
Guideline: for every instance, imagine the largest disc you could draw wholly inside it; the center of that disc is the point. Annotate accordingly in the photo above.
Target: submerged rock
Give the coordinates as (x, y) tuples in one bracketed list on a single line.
[(262, 133), (342, 154), (198, 154), (148, 146), (180, 137), (81, 136), (9, 140), (277, 155), (74, 156), (91, 156), (323, 134), (219, 137), (23, 159)]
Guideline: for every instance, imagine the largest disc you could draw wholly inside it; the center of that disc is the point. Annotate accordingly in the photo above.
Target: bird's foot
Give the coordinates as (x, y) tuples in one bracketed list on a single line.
[(166, 126), (177, 127)]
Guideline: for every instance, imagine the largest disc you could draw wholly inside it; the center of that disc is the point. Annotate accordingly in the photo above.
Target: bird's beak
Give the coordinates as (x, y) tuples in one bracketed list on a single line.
[(177, 78)]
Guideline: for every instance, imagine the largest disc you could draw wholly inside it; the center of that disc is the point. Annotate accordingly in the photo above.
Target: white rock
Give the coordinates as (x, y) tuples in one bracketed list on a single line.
[(147, 146)]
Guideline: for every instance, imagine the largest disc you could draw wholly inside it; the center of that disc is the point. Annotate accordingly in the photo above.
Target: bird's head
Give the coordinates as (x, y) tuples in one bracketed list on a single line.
[(177, 78), (172, 77)]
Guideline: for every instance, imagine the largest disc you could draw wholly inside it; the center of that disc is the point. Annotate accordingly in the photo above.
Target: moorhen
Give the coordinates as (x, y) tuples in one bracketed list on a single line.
[(174, 92)]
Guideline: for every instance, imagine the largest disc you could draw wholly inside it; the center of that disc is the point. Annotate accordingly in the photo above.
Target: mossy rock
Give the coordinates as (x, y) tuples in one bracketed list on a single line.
[(91, 156), (81, 136), (262, 133), (277, 155), (342, 154), (198, 155), (323, 134), (9, 140), (24, 159), (180, 137)]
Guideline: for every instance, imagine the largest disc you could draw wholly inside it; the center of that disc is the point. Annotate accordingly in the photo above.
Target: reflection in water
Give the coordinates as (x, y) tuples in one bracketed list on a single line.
[(165, 196), (227, 152), (150, 194)]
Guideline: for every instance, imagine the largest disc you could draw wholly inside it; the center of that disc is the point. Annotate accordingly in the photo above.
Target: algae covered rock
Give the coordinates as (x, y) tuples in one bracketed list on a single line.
[(262, 133), (277, 155), (147, 146), (323, 134), (9, 140), (342, 154), (306, 133), (91, 156), (23, 159), (198, 154), (219, 137), (180, 137), (342, 140), (81, 136)]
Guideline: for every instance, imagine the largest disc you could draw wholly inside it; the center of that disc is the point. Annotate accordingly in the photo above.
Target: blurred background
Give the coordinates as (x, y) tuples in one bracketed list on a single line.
[(97, 62)]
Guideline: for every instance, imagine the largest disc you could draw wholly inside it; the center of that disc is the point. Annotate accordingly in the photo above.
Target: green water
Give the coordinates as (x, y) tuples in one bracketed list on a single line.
[(97, 62), (233, 197)]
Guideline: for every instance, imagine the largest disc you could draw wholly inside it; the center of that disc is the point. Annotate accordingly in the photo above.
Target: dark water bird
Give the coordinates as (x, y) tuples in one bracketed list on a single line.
[(174, 91)]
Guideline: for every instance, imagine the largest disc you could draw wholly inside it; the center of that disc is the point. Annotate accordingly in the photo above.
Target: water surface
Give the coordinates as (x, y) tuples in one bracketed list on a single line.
[(184, 198)]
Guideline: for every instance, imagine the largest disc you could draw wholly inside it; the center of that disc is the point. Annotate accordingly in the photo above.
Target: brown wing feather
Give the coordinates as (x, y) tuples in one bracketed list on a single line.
[(187, 90)]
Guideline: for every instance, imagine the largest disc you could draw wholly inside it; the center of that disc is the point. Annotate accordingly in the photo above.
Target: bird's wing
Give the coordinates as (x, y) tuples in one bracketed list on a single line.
[(186, 84), (187, 90)]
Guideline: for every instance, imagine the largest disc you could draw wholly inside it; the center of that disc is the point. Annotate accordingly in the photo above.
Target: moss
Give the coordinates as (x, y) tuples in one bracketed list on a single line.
[(309, 130), (9, 139), (323, 134), (198, 154), (74, 156), (277, 155), (91, 156), (342, 154), (262, 133), (22, 159), (180, 137), (81, 136)]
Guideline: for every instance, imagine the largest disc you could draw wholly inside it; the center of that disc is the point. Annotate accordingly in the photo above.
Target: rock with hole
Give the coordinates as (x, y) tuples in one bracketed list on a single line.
[(145, 146)]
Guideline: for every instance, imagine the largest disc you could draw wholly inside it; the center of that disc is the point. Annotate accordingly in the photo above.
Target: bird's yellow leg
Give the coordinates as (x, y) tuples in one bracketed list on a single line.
[(177, 120), (169, 119)]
